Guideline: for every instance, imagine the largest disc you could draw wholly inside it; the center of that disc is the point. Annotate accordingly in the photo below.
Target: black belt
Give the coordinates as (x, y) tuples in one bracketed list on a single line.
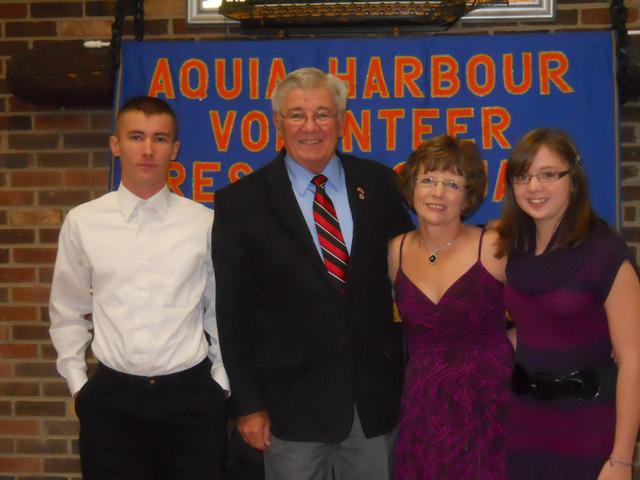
[(583, 384), (197, 371)]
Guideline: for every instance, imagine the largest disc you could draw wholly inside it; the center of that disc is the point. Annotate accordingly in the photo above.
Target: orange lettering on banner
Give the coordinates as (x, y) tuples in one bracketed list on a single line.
[(279, 143), (222, 130), (406, 71), (200, 182), (495, 120), (453, 114), (239, 170), (176, 177), (419, 128), (485, 167), (499, 190), (260, 120), (375, 81), (390, 117), (553, 66), (221, 75), (202, 79), (508, 72), (361, 133), (348, 76), (254, 79), (276, 73), (161, 82), (444, 76), (485, 62), (398, 167)]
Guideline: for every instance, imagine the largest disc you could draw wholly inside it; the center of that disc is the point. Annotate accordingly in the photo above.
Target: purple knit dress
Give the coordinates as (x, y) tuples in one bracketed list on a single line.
[(557, 303), (456, 387)]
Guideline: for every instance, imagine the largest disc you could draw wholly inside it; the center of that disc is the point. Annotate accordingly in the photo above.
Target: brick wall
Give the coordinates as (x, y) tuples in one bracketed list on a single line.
[(51, 159)]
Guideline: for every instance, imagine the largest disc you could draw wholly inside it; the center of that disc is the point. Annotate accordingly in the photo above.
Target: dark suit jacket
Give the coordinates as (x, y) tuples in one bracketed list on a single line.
[(292, 342)]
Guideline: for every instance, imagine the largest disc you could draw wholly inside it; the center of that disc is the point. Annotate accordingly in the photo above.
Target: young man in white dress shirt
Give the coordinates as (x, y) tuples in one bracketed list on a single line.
[(134, 279)]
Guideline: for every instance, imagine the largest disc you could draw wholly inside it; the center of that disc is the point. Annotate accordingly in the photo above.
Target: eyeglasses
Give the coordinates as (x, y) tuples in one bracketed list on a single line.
[(430, 182), (546, 176), (321, 117)]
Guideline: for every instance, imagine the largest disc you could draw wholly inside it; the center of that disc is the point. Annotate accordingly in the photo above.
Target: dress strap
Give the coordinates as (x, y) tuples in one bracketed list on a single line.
[(401, 245), (480, 244)]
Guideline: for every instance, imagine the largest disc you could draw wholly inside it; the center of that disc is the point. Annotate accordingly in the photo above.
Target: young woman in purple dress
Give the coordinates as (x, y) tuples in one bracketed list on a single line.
[(448, 289), (574, 296)]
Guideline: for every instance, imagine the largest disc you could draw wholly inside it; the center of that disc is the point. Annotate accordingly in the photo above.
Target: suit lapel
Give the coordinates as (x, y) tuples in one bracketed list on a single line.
[(283, 204), (357, 188)]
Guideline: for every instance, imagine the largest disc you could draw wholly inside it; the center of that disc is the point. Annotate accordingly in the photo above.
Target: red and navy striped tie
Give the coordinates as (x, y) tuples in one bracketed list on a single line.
[(334, 250)]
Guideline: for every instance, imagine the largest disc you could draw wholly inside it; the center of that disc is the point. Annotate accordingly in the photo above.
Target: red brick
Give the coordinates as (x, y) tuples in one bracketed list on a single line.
[(87, 178), (12, 313), (5, 331), (36, 179), (61, 122), (4, 255), (17, 275), (13, 47), (19, 389), (16, 235), (32, 141), (63, 159), (16, 197), (83, 28), (18, 350), (40, 408), (15, 160), (30, 294), (101, 121), (32, 370), (594, 16), (48, 235), (20, 464), (35, 217), (30, 29), (62, 197), (7, 445), (33, 333), (86, 140), (69, 428), (102, 159), (45, 274), (4, 296), (34, 255), (6, 371), (18, 427), (55, 389), (56, 10), (13, 10), (62, 465), (39, 445)]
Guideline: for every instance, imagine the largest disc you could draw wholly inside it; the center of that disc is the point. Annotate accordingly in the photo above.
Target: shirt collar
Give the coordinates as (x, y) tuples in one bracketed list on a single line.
[(129, 201), (301, 177)]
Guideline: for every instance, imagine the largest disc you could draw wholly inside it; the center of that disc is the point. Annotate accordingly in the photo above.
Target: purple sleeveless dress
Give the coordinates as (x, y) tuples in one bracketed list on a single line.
[(557, 300), (456, 387)]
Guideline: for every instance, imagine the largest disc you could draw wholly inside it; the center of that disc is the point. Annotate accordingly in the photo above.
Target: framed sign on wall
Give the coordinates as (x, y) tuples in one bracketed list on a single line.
[(205, 12)]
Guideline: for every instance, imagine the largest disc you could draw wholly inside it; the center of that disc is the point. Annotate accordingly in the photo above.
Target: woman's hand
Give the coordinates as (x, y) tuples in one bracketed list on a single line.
[(615, 471)]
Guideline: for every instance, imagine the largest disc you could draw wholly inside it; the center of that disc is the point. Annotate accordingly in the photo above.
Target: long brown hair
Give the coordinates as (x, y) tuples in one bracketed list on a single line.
[(579, 219)]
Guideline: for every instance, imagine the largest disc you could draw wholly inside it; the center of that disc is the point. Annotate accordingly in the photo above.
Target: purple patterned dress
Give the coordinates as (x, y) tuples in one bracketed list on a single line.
[(557, 303), (456, 387)]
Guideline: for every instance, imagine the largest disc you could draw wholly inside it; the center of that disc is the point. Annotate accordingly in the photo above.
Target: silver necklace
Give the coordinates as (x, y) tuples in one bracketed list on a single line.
[(433, 258)]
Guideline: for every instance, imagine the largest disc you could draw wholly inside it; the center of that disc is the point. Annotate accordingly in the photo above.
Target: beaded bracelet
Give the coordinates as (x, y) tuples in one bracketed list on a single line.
[(613, 462)]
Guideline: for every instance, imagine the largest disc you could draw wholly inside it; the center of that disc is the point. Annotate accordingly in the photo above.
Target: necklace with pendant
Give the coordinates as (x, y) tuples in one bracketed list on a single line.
[(433, 258)]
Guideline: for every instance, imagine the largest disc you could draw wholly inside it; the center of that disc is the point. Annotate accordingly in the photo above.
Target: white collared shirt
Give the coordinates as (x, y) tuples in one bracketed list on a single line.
[(142, 269)]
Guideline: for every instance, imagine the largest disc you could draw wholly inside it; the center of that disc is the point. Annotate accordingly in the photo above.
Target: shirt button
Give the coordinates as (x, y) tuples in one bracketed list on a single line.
[(152, 381)]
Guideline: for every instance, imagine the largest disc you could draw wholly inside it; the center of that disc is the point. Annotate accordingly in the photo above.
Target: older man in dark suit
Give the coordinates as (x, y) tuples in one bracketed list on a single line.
[(303, 298)]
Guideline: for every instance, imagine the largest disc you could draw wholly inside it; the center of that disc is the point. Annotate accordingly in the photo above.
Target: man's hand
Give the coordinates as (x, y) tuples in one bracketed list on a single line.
[(255, 429)]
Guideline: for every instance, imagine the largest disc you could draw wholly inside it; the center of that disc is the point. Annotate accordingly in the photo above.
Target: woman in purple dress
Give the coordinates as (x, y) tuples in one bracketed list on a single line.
[(448, 289), (574, 297)]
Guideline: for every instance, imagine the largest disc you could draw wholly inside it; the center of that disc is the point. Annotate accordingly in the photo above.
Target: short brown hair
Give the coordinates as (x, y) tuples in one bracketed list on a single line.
[(579, 219), (444, 153), (148, 106)]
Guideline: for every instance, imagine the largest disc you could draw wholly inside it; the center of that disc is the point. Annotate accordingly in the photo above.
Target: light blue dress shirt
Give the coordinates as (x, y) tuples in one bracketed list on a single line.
[(335, 187)]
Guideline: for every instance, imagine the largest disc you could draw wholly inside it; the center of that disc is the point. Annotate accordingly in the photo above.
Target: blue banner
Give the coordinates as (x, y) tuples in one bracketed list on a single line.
[(489, 89)]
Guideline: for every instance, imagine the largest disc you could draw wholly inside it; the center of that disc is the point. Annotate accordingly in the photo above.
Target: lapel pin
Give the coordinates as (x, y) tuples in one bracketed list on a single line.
[(360, 191)]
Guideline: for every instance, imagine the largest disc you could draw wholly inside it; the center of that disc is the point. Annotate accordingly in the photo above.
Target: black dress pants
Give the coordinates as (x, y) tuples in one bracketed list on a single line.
[(169, 427)]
